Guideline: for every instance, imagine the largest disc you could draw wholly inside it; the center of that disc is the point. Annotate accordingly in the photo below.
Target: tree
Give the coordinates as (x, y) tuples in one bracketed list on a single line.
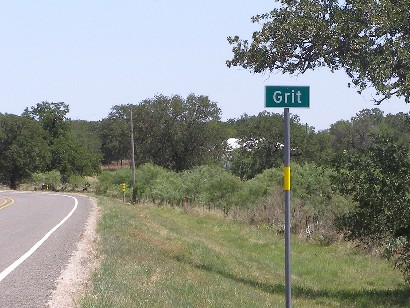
[(377, 178), (366, 123), (68, 155), (260, 140), (399, 125), (260, 146), (319, 148), (369, 39), (23, 149), (115, 134), (88, 134), (357, 133), (172, 132), (178, 133), (52, 117)]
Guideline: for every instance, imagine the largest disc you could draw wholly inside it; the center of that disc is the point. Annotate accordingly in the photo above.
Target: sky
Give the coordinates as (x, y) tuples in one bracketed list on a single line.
[(95, 54)]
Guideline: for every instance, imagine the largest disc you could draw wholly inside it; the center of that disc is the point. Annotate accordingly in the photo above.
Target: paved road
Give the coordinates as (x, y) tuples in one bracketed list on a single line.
[(38, 232)]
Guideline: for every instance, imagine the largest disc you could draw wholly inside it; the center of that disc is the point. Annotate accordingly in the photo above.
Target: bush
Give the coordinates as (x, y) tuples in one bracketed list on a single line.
[(76, 182), (147, 174), (50, 180), (319, 201), (377, 178), (193, 181), (105, 182), (122, 176), (258, 187), (257, 201), (167, 188), (220, 189)]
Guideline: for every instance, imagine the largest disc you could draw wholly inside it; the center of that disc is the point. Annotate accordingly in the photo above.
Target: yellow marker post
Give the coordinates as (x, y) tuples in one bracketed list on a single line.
[(123, 188), (286, 178)]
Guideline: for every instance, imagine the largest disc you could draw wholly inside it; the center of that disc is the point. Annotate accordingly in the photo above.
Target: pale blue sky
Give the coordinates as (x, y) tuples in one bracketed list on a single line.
[(94, 54)]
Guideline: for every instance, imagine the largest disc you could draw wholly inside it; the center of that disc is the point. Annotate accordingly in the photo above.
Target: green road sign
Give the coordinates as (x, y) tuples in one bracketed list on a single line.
[(287, 96)]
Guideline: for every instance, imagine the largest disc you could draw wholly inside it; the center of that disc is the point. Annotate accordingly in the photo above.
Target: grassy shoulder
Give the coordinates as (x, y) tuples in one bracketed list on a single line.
[(164, 257)]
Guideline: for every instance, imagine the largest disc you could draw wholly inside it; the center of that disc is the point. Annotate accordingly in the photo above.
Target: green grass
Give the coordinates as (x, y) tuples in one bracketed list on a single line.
[(164, 257)]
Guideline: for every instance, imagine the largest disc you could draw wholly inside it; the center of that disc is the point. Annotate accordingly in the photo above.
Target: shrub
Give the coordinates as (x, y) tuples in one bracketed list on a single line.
[(122, 176), (76, 182), (195, 180), (48, 180), (147, 174), (257, 201), (167, 188), (105, 181), (221, 190)]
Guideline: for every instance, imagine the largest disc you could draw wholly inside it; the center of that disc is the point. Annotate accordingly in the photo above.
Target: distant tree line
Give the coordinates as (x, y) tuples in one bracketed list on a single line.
[(178, 134)]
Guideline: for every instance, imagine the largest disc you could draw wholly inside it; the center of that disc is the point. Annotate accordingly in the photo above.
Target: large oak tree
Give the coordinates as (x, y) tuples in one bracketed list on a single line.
[(369, 39)]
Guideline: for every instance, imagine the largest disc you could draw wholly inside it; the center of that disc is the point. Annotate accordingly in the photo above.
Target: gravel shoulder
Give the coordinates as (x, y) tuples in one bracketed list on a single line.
[(75, 278)]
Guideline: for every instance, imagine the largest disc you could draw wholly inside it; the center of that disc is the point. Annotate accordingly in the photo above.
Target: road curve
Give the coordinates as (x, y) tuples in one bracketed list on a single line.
[(38, 233)]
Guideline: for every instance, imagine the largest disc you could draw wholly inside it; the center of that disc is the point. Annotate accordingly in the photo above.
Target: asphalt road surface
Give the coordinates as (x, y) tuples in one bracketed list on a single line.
[(38, 233)]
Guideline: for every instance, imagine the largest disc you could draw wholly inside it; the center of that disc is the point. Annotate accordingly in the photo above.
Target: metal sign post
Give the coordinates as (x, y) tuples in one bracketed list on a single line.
[(286, 97), (286, 188)]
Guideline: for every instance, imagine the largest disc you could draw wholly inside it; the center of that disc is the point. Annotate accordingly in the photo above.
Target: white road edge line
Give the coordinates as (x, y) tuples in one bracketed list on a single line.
[(20, 260)]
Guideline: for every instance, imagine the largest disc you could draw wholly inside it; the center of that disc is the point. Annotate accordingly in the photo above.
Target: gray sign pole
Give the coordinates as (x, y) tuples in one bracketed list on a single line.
[(285, 97), (286, 188)]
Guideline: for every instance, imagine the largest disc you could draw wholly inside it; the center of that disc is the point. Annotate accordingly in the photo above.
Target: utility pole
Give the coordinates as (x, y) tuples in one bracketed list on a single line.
[(132, 157)]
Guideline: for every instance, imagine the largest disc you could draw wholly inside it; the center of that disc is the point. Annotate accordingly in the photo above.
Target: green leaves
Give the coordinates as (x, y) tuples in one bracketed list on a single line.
[(51, 116), (70, 157), (367, 38), (171, 132), (260, 139), (23, 149), (41, 140), (378, 179)]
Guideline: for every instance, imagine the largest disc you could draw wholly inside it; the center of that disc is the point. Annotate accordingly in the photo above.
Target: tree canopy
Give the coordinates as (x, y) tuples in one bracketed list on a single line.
[(114, 133), (51, 116), (177, 133), (23, 148), (173, 132), (260, 143), (68, 155), (369, 39)]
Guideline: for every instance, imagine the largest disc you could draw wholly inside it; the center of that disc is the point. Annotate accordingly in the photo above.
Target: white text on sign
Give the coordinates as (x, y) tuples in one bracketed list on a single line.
[(288, 98)]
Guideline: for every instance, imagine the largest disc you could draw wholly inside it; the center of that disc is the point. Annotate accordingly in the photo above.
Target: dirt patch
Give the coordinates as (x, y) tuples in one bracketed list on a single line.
[(74, 279)]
